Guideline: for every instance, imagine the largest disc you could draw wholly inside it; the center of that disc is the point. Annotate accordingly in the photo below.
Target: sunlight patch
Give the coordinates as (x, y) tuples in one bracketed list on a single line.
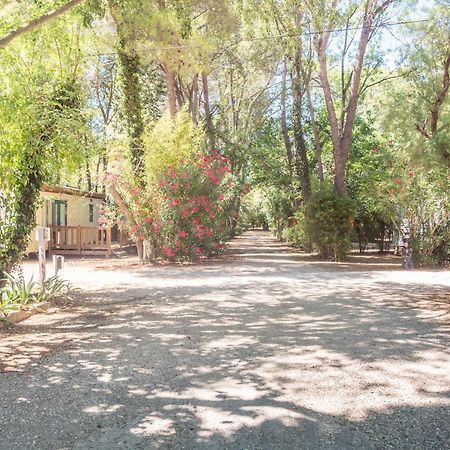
[(230, 341), (102, 408), (154, 425)]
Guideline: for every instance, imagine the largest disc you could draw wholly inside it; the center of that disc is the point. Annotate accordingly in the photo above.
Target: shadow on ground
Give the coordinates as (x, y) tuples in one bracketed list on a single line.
[(244, 355)]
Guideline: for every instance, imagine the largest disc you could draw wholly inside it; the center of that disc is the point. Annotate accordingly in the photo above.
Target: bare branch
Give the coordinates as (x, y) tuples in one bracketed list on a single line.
[(39, 21)]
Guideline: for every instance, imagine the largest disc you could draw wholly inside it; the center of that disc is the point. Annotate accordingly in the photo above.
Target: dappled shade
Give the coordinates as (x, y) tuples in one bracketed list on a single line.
[(254, 352)]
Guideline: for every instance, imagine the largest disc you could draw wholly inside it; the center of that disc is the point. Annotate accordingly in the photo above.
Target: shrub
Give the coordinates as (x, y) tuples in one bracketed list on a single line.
[(297, 232), (189, 220), (432, 248), (19, 294), (180, 214), (329, 223)]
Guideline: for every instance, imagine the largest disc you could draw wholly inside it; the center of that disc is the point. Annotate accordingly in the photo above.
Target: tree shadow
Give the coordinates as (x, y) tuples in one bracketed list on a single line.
[(235, 356)]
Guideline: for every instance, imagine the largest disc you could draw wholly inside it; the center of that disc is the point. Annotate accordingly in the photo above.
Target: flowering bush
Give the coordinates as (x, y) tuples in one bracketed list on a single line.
[(416, 204), (181, 213)]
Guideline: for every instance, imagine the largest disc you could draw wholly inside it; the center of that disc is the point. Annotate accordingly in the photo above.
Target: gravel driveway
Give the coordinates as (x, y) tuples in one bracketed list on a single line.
[(265, 349)]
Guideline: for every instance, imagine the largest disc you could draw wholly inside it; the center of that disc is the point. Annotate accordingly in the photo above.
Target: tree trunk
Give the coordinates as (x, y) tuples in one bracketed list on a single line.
[(369, 16), (339, 179), (301, 156), (30, 176), (131, 67), (341, 136), (140, 250), (130, 63), (88, 177), (129, 216), (316, 135), (194, 100), (148, 250), (171, 90), (284, 127), (208, 116)]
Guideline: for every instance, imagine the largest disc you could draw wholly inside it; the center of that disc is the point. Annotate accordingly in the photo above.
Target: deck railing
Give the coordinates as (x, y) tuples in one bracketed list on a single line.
[(79, 240)]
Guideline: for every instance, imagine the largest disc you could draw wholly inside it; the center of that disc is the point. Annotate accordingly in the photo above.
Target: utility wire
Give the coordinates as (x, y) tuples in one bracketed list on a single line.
[(287, 35)]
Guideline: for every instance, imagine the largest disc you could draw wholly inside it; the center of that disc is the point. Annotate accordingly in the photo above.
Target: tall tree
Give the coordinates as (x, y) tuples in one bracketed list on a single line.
[(130, 63), (323, 23)]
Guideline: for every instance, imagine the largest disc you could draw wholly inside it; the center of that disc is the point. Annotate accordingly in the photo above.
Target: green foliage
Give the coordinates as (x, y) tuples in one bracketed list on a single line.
[(297, 233), (44, 127), (329, 223), (17, 293), (415, 200), (406, 105), (432, 248), (170, 142), (182, 214), (252, 213)]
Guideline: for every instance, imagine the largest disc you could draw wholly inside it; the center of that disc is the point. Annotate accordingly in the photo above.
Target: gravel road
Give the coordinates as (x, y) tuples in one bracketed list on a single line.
[(265, 349)]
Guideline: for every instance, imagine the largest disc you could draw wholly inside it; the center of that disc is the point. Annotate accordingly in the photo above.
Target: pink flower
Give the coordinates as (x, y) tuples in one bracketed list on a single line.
[(148, 219), (184, 213), (168, 251), (198, 251), (182, 234)]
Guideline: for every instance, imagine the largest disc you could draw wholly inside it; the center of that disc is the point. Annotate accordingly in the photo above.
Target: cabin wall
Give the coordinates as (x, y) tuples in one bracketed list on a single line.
[(77, 213)]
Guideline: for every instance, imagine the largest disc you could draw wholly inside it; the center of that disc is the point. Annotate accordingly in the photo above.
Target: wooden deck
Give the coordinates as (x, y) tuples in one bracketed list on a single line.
[(78, 240)]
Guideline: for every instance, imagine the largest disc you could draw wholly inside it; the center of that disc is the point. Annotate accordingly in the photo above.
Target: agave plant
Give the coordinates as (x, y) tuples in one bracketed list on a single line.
[(17, 293)]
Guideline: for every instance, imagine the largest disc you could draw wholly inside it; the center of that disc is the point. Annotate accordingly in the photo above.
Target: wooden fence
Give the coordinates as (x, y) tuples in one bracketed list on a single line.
[(78, 240)]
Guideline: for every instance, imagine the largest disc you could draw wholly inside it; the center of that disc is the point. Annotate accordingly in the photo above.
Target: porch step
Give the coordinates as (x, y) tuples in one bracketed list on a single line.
[(119, 253)]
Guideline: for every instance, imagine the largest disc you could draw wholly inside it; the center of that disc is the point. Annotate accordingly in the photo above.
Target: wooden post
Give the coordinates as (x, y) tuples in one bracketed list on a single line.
[(58, 262), (108, 241), (42, 235), (51, 241), (79, 239)]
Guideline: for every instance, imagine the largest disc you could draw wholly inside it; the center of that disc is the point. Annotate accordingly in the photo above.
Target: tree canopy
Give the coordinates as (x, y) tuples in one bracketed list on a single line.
[(302, 105)]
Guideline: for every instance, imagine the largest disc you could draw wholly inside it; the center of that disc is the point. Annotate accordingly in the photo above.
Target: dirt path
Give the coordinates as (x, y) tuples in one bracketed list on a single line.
[(264, 350)]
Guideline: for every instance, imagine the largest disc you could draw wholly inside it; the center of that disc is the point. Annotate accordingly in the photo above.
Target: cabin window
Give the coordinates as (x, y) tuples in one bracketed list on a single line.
[(91, 213)]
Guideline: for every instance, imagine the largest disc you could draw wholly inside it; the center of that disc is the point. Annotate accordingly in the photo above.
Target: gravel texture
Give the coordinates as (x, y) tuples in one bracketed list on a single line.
[(265, 349)]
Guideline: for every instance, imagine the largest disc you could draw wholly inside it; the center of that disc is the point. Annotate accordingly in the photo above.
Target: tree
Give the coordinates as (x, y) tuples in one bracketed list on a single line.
[(44, 127), (38, 22), (415, 107), (323, 23)]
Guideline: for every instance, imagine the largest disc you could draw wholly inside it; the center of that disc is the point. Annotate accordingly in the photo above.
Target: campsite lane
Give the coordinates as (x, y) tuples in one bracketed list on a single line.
[(263, 349)]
